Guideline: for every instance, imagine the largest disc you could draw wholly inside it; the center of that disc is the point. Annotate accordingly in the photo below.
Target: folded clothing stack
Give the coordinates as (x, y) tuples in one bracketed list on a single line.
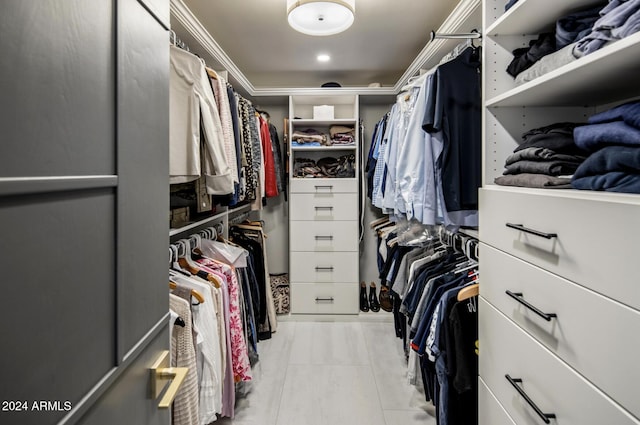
[(544, 159), (342, 135), (612, 138), (576, 35), (309, 137), (327, 167)]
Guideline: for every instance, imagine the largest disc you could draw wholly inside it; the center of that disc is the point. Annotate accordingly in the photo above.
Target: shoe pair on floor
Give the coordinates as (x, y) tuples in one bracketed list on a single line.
[(371, 302)]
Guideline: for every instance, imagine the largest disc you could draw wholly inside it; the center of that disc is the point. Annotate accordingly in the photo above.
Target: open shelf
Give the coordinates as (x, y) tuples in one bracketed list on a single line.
[(312, 122), (604, 76), (534, 17)]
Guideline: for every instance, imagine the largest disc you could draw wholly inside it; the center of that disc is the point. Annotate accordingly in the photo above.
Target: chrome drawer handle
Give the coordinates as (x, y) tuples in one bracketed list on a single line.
[(521, 228), (544, 416), (324, 238), (324, 269), (518, 297), (326, 300), (329, 187), (324, 208)]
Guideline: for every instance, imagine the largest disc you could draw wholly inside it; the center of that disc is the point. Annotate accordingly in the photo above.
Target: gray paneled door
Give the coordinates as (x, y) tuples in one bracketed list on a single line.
[(84, 95)]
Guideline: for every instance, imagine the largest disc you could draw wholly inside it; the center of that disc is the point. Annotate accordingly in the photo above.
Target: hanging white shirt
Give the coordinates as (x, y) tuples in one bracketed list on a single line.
[(192, 101), (205, 319)]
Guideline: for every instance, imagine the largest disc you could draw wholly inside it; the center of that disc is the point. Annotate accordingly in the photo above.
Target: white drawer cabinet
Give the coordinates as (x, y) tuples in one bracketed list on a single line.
[(586, 327), (323, 236), (323, 267), (324, 206), (567, 252), (490, 411), (552, 386), (324, 298), (324, 213), (324, 186), (585, 240)]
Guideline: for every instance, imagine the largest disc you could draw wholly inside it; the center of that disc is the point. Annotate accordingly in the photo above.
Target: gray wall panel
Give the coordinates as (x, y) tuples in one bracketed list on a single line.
[(58, 335), (370, 115), (159, 9), (129, 396), (276, 213), (56, 80), (143, 170)]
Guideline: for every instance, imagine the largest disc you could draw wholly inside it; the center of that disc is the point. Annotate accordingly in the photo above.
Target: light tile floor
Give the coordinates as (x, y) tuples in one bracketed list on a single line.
[(332, 373)]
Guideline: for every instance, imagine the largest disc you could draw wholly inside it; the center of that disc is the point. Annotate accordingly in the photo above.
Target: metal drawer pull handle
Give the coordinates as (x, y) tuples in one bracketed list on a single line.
[(328, 300), (531, 231), (324, 208), (324, 187), (324, 238), (324, 269), (544, 416), (518, 297)]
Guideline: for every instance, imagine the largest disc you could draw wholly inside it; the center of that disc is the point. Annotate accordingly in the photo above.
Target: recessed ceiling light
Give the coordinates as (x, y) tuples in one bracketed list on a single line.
[(324, 58)]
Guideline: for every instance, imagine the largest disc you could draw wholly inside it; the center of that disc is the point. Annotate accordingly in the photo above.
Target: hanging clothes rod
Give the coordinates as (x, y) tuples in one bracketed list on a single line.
[(471, 35)]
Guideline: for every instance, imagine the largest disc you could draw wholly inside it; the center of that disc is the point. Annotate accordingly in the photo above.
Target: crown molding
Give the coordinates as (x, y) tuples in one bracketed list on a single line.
[(188, 20), (455, 22)]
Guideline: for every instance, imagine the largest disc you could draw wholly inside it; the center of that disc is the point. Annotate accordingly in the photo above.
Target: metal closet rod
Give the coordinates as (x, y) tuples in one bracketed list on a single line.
[(472, 34)]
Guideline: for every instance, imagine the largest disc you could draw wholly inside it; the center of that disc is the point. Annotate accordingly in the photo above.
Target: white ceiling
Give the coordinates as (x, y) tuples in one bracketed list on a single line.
[(384, 41)]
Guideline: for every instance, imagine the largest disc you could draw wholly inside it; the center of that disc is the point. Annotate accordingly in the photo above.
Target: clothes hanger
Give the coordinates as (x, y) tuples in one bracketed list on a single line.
[(194, 268), (180, 322), (175, 264), (185, 258), (376, 223), (211, 73), (194, 293), (468, 291)]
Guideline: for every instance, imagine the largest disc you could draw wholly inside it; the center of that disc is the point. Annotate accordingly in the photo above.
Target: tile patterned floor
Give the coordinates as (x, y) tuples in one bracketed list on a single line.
[(337, 373)]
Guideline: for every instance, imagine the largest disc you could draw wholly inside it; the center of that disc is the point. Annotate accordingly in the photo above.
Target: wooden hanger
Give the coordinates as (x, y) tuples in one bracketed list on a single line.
[(468, 291), (199, 272), (248, 227), (195, 294), (211, 73), (379, 221)]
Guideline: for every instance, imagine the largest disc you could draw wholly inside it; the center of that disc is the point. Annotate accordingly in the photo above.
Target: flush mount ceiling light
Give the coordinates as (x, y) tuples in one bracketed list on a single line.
[(326, 17)]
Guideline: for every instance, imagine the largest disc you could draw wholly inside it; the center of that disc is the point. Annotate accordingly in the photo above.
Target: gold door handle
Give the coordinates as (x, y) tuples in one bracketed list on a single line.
[(161, 373)]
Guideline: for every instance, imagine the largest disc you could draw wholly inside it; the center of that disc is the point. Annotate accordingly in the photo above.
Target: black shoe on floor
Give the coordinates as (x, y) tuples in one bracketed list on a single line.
[(373, 298), (364, 303)]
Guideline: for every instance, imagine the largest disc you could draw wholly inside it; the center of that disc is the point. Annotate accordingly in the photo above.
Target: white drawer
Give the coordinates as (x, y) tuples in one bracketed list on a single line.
[(490, 412), (323, 236), (324, 298), (505, 349), (596, 243), (324, 186), (329, 206), (324, 267), (585, 333)]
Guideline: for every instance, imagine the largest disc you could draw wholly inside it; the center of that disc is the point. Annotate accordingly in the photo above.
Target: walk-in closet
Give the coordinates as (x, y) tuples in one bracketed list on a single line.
[(319, 212)]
